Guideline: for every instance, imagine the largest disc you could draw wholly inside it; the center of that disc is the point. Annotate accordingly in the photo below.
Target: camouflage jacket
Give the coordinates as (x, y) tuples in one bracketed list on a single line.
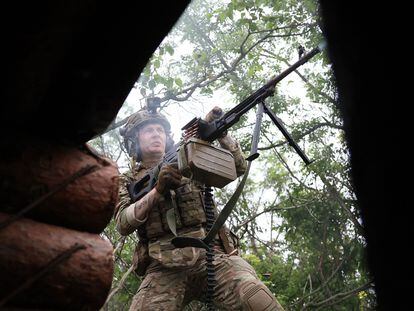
[(189, 213)]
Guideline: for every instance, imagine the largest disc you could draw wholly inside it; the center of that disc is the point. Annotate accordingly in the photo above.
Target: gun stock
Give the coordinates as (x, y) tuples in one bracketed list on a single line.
[(138, 189)]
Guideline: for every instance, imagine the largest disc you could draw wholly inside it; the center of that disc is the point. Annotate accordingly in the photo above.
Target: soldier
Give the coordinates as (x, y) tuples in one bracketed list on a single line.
[(176, 276)]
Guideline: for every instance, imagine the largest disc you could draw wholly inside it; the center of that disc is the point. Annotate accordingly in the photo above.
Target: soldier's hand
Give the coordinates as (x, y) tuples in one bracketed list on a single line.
[(214, 114), (168, 178)]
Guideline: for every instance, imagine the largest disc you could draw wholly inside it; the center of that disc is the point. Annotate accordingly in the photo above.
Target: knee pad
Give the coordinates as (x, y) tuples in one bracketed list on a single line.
[(255, 296)]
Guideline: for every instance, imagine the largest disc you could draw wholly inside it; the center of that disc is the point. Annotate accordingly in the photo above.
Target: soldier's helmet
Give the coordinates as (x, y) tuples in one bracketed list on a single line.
[(137, 121)]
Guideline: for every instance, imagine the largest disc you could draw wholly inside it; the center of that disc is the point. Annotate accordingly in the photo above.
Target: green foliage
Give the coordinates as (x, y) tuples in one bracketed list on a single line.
[(298, 224), (125, 288)]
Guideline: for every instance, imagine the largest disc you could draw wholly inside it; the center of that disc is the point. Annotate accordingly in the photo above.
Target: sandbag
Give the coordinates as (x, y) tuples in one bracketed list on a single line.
[(80, 281), (31, 172)]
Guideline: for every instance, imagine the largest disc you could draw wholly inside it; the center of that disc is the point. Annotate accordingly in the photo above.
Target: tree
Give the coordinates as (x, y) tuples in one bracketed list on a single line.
[(303, 234)]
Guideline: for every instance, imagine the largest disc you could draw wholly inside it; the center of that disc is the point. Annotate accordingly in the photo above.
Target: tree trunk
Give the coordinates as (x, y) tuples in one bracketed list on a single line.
[(85, 203), (50, 267)]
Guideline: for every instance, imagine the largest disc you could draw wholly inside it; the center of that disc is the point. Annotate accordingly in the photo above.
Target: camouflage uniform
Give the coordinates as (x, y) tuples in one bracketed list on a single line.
[(238, 287), (174, 276)]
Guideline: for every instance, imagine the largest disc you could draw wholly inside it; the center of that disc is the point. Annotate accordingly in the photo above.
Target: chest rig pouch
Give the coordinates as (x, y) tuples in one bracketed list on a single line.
[(162, 251), (190, 204)]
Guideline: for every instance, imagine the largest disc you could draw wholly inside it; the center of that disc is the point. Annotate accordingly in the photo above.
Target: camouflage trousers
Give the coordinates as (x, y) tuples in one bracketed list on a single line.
[(238, 287)]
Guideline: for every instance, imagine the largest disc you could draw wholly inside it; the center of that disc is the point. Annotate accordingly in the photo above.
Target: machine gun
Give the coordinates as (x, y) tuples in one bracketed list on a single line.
[(199, 135), (198, 159)]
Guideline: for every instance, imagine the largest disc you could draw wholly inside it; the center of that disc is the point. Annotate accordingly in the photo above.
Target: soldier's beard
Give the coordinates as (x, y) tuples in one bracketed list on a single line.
[(152, 159)]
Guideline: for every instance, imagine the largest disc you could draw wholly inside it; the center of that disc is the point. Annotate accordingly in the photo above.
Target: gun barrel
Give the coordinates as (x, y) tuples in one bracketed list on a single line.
[(305, 58), (268, 88), (213, 130)]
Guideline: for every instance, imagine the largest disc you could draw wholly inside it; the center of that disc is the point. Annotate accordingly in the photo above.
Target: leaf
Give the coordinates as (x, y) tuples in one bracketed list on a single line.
[(178, 82), (158, 78), (169, 49)]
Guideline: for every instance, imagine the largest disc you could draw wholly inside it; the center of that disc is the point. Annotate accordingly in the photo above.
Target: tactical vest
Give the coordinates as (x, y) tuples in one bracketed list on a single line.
[(155, 235), (189, 211)]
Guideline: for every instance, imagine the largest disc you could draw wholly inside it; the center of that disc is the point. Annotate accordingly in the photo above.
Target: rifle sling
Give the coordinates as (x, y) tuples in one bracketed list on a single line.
[(225, 212), (227, 209)]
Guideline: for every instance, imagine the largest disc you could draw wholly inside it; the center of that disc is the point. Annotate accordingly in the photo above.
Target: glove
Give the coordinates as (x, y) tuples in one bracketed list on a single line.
[(168, 178), (214, 114)]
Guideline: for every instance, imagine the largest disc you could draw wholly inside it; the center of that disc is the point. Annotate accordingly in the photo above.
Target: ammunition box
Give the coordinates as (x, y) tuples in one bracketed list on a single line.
[(208, 164)]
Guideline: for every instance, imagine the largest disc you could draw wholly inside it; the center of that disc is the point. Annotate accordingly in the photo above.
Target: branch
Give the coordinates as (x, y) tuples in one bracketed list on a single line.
[(337, 197), (341, 296), (205, 82), (286, 27), (254, 216), (120, 284), (208, 41), (325, 283), (113, 126), (284, 163), (120, 245), (291, 198), (332, 192), (269, 246), (330, 99)]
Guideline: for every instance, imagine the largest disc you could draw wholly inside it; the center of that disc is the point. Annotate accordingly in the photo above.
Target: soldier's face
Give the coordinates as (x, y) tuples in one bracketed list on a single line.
[(152, 138)]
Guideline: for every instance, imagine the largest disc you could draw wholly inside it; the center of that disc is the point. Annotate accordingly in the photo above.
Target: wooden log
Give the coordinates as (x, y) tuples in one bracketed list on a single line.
[(86, 203), (30, 252)]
